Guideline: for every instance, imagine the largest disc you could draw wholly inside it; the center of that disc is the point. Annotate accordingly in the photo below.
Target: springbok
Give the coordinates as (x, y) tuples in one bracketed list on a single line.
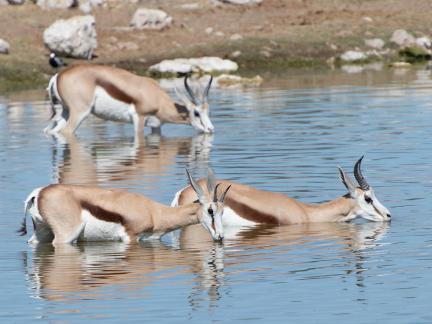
[(118, 95), (247, 206), (68, 213)]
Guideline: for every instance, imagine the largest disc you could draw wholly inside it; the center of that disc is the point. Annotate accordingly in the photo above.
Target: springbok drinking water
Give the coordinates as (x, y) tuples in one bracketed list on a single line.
[(118, 95), (70, 213), (249, 206)]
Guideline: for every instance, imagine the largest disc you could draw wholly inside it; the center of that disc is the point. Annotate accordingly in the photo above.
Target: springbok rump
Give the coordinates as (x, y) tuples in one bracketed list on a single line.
[(68, 213), (118, 95), (247, 206)]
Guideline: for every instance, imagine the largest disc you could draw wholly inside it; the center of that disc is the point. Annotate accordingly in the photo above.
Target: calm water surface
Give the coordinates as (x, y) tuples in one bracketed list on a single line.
[(288, 136)]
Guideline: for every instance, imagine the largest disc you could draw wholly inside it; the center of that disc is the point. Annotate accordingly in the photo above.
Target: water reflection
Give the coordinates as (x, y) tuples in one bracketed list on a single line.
[(123, 159), (73, 272)]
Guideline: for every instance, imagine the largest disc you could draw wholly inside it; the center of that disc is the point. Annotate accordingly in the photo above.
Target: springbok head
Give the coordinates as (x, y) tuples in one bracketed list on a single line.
[(367, 204), (197, 106), (212, 205)]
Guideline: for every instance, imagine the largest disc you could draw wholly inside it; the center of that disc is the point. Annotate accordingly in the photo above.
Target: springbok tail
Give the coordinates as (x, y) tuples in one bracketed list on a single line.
[(53, 95), (174, 202), (28, 203)]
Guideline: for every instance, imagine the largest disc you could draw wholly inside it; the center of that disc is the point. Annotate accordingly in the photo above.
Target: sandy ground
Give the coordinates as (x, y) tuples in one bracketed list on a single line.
[(277, 34)]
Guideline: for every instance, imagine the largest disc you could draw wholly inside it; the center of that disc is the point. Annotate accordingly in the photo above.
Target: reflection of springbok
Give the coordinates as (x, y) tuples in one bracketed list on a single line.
[(119, 160), (249, 206), (118, 95), (68, 271)]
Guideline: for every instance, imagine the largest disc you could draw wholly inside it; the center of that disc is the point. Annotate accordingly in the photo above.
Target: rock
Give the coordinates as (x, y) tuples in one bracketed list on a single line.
[(190, 6), (353, 56), (226, 80), (402, 38), (236, 37), (265, 53), (219, 34), (236, 54), (4, 47), (367, 19), (151, 19), (56, 4), (203, 64), (424, 42), (209, 30), (73, 37), (352, 69), (376, 43), (400, 64), (85, 7)]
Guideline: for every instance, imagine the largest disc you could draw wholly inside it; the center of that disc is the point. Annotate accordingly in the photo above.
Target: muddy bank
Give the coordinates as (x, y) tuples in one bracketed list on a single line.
[(273, 36)]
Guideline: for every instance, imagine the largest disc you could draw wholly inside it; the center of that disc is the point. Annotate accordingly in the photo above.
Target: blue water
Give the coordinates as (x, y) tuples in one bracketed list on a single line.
[(288, 135)]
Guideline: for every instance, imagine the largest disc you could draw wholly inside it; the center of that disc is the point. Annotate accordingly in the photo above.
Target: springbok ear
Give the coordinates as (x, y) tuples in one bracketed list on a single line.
[(347, 181), (195, 186), (222, 197), (211, 181), (183, 98)]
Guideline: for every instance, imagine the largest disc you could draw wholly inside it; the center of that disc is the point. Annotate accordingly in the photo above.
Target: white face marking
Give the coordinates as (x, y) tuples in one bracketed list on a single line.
[(200, 119), (109, 108), (370, 208), (98, 230)]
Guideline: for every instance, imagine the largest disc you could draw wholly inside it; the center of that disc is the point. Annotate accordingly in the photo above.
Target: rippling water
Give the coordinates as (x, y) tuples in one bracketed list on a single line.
[(287, 136)]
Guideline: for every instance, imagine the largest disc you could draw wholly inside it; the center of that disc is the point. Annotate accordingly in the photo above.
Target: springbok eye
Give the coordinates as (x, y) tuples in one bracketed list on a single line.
[(210, 211), (196, 113), (368, 199)]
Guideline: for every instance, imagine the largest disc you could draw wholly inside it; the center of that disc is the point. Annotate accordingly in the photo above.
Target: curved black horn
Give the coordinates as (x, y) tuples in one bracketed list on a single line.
[(189, 91), (207, 89), (222, 197), (358, 175)]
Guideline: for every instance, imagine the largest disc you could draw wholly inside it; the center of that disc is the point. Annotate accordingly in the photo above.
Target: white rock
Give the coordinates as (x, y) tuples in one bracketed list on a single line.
[(226, 80), (190, 6), (4, 47), (236, 54), (352, 69), (219, 34), (85, 7), (209, 30), (56, 4), (402, 38), (236, 37), (352, 56), (74, 37), (424, 42), (202, 64), (151, 19), (376, 43), (367, 19)]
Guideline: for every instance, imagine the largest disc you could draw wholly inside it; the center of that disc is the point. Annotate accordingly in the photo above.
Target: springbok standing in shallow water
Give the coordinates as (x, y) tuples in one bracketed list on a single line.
[(249, 206), (70, 213), (118, 95)]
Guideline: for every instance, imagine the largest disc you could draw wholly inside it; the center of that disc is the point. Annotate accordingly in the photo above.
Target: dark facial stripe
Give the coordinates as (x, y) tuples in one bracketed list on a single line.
[(250, 213), (103, 214)]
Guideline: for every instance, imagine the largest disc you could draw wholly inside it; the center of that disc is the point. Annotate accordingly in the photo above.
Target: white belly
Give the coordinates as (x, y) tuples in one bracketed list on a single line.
[(230, 218), (98, 230), (109, 108)]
